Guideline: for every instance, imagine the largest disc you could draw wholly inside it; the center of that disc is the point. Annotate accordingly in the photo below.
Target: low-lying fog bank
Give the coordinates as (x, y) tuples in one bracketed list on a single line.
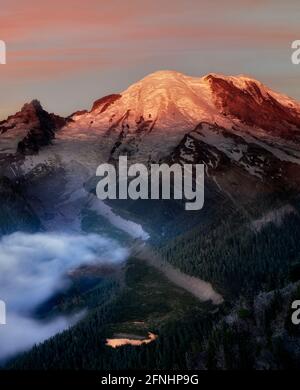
[(33, 268)]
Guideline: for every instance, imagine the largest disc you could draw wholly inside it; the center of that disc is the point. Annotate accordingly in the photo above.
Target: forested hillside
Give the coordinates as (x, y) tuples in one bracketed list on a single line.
[(237, 258)]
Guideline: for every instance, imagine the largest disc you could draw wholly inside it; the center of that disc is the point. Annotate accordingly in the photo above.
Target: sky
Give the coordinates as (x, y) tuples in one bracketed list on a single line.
[(68, 53)]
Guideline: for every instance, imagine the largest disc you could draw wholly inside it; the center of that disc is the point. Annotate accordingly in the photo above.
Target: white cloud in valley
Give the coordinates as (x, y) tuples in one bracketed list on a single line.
[(33, 267)]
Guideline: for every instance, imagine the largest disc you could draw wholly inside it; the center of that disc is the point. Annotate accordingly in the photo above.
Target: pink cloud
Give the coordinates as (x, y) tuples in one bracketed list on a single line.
[(60, 39)]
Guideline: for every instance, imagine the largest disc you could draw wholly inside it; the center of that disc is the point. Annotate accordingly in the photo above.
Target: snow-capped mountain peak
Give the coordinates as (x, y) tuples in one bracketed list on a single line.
[(246, 135), (171, 100), (151, 116)]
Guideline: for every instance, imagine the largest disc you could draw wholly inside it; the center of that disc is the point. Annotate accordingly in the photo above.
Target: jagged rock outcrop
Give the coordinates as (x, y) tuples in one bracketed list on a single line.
[(31, 128)]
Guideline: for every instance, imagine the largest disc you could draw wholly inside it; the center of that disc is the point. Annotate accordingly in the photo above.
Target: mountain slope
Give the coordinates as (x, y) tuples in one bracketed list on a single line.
[(168, 104), (245, 239), (246, 135)]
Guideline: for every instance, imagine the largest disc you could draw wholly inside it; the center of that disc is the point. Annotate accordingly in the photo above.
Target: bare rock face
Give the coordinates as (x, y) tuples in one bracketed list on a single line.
[(105, 102), (252, 103)]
